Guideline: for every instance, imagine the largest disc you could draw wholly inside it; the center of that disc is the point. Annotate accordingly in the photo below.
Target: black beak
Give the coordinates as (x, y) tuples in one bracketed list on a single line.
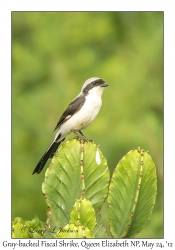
[(104, 84)]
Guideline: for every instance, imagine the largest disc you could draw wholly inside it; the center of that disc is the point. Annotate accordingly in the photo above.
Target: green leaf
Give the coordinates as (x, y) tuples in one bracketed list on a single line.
[(96, 180), (62, 184), (27, 229), (100, 230), (96, 174), (83, 213), (19, 230), (132, 194), (78, 169), (74, 231)]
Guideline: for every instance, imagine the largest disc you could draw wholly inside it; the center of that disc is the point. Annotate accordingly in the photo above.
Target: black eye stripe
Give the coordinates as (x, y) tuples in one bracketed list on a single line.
[(97, 82), (91, 85)]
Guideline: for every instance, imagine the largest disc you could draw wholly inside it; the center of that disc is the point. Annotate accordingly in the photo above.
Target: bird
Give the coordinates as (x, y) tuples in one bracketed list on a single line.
[(78, 115)]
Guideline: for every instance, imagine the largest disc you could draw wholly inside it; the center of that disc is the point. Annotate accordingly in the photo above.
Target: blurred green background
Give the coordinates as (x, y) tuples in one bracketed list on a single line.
[(53, 53)]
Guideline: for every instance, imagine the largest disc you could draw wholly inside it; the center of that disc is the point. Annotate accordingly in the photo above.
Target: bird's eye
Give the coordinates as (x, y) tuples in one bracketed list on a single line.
[(94, 83)]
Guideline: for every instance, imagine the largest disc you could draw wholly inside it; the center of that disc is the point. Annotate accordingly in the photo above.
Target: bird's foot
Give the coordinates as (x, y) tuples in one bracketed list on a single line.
[(91, 141), (80, 136), (77, 137)]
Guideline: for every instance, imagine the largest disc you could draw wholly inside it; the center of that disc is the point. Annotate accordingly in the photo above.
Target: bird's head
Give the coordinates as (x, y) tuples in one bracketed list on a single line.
[(94, 86)]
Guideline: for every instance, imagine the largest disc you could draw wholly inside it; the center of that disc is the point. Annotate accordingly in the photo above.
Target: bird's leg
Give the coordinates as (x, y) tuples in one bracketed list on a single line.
[(84, 137), (79, 135)]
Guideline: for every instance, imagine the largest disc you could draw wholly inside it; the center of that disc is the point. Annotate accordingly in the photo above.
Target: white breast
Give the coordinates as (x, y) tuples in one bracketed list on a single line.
[(83, 117)]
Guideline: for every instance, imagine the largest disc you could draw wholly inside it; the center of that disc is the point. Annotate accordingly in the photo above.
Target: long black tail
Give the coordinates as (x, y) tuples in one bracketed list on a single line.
[(48, 154)]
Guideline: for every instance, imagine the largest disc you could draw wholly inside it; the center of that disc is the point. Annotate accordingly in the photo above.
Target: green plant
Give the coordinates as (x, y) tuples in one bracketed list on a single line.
[(77, 183)]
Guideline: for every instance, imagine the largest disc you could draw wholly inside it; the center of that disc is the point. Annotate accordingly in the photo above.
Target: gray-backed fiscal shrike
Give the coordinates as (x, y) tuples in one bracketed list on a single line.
[(78, 115)]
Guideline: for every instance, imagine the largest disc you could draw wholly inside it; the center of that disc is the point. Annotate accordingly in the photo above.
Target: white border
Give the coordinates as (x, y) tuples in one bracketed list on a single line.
[(169, 93)]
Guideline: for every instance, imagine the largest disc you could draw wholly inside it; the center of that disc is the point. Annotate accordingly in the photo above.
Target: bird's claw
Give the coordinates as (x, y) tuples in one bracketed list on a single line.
[(81, 136)]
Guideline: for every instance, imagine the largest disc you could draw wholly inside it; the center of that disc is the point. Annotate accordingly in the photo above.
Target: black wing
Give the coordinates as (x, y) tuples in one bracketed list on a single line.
[(73, 107)]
